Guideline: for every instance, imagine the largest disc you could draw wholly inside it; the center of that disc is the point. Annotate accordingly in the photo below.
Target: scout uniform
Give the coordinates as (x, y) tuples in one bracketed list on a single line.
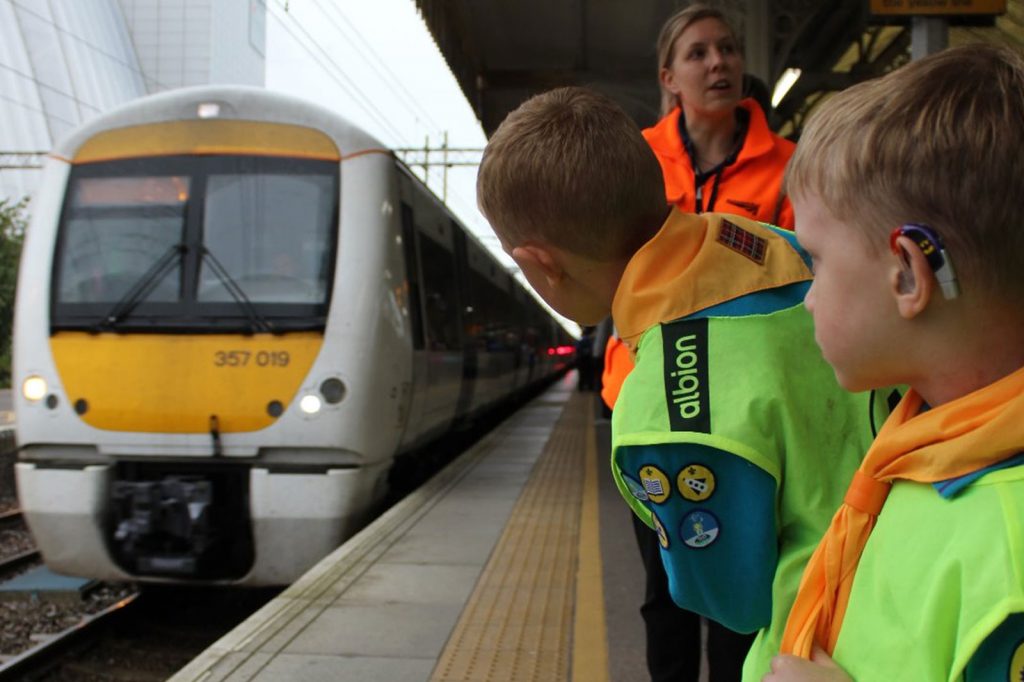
[(920, 575), (731, 437)]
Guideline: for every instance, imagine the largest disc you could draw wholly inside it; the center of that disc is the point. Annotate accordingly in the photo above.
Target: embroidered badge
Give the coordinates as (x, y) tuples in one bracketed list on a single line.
[(696, 482), (699, 529), (743, 242), (1016, 672), (660, 530), (635, 489), (655, 483)]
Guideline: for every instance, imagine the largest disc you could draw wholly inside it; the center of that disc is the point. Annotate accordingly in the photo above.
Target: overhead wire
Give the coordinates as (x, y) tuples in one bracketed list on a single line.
[(389, 79), (335, 72), (456, 201)]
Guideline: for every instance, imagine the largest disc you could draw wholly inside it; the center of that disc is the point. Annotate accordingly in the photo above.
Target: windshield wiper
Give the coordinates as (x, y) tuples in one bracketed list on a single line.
[(258, 322), (142, 287)]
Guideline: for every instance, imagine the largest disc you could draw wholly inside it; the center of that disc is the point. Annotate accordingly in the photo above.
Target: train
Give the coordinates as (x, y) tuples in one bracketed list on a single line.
[(235, 311)]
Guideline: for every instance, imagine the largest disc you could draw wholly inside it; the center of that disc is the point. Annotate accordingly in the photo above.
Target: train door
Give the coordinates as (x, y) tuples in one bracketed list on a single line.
[(468, 313), (510, 334), (521, 362), (441, 319), (413, 423), (491, 312)]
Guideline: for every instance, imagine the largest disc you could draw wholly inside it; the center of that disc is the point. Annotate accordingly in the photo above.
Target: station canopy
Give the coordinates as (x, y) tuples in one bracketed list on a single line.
[(502, 51)]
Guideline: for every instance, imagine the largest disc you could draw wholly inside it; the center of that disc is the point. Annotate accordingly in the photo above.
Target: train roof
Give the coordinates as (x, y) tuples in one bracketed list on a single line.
[(234, 102)]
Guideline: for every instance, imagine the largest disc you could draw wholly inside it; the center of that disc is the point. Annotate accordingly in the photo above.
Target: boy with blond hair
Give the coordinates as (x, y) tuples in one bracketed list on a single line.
[(731, 437), (906, 192)]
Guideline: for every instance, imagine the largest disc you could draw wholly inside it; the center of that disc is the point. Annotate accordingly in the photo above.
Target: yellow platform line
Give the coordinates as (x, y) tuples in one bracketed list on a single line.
[(590, 643), (523, 621)]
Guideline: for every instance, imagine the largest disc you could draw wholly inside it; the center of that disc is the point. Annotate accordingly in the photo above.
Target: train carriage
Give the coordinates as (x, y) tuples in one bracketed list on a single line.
[(234, 311)]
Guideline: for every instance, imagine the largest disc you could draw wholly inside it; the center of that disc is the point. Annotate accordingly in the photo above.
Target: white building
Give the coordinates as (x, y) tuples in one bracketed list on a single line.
[(64, 61)]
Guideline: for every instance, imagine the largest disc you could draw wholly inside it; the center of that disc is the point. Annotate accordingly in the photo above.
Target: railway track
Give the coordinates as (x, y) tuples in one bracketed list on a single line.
[(146, 637), (103, 632), (52, 653), (17, 550), (41, 625)]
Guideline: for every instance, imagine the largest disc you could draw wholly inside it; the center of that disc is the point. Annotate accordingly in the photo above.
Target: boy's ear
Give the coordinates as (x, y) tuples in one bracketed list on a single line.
[(537, 259), (912, 282)]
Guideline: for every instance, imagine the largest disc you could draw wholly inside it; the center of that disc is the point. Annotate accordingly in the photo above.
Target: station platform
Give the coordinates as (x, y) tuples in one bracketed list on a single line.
[(515, 562)]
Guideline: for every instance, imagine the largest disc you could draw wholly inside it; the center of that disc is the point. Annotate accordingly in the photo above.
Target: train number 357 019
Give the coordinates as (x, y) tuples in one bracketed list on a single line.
[(244, 358)]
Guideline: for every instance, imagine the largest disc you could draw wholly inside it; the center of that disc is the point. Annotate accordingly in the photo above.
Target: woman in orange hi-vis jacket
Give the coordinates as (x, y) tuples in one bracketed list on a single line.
[(717, 154), (715, 148)]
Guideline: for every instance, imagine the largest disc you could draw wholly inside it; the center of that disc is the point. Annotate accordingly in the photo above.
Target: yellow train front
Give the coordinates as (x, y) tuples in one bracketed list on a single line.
[(234, 310)]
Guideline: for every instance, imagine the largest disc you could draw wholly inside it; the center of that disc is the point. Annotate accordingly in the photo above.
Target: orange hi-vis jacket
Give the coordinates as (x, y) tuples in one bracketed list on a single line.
[(617, 365), (750, 187)]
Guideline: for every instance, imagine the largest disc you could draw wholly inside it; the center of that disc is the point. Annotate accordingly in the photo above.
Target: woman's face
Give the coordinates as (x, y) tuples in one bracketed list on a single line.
[(706, 71)]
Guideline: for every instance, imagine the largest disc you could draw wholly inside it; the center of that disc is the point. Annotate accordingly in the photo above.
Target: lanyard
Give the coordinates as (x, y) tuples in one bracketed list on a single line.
[(742, 124), (701, 179)]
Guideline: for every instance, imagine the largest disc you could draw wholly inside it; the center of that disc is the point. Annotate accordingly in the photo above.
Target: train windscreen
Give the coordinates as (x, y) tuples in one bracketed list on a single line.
[(218, 243)]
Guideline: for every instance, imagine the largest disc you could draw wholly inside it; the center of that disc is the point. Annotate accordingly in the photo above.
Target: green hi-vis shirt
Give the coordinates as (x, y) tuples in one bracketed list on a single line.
[(731, 437), (939, 590)]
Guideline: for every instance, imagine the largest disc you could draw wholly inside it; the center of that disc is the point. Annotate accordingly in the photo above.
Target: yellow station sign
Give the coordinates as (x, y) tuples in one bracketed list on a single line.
[(941, 7)]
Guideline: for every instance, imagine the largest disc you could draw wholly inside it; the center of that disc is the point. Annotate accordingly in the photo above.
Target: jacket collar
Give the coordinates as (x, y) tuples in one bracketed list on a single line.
[(693, 264), (664, 136)]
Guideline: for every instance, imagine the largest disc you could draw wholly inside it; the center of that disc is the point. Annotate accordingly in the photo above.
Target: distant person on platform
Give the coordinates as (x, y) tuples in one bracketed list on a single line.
[(717, 154), (585, 365), (730, 437)]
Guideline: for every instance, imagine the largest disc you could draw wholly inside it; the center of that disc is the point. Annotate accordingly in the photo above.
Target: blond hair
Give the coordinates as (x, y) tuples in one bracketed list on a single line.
[(670, 32), (937, 142), (570, 167)]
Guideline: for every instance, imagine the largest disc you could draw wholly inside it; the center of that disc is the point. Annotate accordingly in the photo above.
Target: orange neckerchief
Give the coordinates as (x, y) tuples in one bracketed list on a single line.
[(970, 433)]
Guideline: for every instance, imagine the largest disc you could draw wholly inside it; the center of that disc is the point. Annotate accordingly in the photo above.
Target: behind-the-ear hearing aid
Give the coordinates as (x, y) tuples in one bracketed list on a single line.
[(934, 251)]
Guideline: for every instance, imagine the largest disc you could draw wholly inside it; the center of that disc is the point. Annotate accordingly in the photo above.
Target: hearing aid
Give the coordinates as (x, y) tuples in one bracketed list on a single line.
[(935, 254)]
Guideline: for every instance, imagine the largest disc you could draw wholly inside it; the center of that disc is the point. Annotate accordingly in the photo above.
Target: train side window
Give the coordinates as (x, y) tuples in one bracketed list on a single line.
[(412, 273), (509, 331), (440, 297), (498, 338)]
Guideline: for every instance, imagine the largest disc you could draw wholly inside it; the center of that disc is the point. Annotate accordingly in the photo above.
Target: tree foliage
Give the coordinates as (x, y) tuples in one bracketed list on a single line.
[(13, 221)]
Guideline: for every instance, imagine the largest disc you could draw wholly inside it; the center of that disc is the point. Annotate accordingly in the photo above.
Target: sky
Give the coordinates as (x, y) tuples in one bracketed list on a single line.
[(375, 62)]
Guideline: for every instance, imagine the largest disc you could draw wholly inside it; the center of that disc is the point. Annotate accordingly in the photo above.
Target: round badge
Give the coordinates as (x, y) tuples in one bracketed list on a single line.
[(655, 483), (635, 489), (660, 530), (696, 482), (699, 529), (1016, 671)]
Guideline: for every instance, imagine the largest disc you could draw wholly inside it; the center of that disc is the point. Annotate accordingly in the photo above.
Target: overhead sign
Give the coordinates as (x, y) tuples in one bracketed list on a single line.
[(939, 7)]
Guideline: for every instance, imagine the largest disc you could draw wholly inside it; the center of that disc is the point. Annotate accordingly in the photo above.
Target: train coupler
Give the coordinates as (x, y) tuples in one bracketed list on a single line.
[(163, 526)]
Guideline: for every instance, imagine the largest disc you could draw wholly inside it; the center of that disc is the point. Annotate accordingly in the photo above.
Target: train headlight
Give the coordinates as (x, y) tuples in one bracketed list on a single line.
[(208, 110), (310, 404), (34, 388)]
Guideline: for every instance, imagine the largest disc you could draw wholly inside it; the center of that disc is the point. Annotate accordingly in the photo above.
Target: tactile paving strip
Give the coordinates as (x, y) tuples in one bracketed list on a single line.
[(518, 623)]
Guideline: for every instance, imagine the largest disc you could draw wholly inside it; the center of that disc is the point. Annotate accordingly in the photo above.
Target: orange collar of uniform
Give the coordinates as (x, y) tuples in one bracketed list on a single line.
[(665, 140), (686, 268)]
